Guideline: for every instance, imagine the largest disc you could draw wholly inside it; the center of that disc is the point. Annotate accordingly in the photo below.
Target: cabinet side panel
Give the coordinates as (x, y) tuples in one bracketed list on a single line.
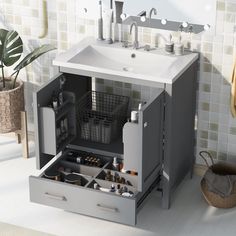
[(179, 131)]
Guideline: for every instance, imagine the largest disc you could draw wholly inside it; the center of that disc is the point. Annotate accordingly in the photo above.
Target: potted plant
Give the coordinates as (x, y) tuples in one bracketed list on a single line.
[(11, 88)]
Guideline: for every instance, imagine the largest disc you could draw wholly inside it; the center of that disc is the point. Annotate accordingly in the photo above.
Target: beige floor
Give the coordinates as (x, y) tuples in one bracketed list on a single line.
[(12, 230)]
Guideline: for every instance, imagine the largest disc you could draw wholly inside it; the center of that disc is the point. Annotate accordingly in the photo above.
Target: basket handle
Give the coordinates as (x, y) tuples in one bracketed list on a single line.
[(204, 158)]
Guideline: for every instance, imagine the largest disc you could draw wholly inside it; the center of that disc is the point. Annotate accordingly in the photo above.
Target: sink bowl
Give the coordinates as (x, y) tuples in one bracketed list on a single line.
[(120, 59), (96, 59)]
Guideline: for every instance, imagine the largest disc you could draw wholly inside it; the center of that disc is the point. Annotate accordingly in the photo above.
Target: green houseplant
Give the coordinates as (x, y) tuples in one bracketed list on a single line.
[(11, 88)]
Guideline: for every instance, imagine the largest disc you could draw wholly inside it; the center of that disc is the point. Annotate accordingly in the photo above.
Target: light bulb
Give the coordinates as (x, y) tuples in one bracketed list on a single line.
[(164, 21), (143, 18), (207, 27), (185, 24)]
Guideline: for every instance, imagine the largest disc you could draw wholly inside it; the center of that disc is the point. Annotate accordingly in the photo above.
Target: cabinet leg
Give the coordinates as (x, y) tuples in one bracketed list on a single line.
[(165, 193), (18, 138), (24, 135)]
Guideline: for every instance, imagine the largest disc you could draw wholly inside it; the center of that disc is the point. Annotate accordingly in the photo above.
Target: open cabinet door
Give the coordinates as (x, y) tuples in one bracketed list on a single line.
[(143, 141), (47, 119)]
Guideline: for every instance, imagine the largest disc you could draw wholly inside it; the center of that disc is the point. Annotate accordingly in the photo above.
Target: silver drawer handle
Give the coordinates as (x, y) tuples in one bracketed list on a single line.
[(107, 208), (55, 197)]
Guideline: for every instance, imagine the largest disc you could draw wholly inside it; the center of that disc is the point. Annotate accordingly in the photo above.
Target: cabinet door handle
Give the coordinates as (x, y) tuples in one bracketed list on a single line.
[(55, 197), (107, 208)]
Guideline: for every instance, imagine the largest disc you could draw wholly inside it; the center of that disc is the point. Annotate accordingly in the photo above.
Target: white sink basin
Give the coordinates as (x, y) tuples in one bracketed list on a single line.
[(93, 58), (120, 59)]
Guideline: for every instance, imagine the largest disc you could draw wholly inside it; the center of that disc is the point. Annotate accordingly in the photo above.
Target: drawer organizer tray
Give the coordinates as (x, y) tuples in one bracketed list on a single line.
[(85, 199)]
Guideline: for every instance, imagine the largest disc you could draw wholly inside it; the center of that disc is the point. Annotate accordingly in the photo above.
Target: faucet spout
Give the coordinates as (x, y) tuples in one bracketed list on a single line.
[(152, 11), (135, 26)]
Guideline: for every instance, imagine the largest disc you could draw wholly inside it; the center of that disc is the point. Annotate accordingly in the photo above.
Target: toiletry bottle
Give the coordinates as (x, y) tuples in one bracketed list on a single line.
[(108, 176), (118, 190), (117, 21), (95, 186), (169, 45), (115, 164), (66, 127), (125, 189), (100, 22), (179, 47), (108, 25), (63, 130), (54, 100), (134, 116), (140, 106), (113, 188), (60, 94)]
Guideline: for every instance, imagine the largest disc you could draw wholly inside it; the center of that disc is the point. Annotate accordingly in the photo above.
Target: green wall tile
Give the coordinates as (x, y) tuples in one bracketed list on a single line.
[(220, 6), (214, 127), (136, 95)]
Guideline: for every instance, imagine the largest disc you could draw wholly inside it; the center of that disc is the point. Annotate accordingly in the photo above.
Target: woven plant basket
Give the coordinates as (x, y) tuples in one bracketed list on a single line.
[(11, 104), (214, 199)]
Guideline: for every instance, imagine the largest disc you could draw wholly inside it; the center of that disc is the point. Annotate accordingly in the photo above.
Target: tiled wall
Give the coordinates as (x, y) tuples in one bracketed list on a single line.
[(216, 127)]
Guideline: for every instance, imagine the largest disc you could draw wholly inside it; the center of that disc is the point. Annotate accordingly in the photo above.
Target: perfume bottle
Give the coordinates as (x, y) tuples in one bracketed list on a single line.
[(60, 94), (113, 188), (54, 100), (115, 164), (63, 130)]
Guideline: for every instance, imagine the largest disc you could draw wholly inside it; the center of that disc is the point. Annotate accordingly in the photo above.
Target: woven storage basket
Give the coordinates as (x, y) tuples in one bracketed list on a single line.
[(215, 199), (11, 104)]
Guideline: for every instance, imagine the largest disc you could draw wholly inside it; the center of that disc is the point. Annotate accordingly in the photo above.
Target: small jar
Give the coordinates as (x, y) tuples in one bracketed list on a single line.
[(52, 174), (73, 179), (179, 49), (169, 47)]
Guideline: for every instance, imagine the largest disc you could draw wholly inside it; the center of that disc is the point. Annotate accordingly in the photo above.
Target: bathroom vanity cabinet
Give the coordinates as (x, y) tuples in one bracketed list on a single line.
[(158, 148)]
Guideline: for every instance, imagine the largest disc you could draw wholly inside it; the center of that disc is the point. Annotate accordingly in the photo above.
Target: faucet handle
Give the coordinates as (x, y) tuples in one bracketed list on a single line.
[(147, 47), (136, 45), (125, 44)]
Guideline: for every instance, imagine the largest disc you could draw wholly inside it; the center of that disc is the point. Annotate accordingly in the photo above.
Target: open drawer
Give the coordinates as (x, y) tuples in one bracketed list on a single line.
[(84, 199)]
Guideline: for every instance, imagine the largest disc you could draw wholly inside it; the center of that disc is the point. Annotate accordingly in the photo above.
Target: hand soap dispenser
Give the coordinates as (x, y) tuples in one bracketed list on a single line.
[(179, 47)]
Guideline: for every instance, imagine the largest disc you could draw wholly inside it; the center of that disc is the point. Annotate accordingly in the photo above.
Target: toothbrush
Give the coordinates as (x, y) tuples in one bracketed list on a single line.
[(100, 22), (180, 39)]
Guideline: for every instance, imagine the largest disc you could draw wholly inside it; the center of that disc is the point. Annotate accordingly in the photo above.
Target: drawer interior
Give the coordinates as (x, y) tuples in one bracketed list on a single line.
[(93, 172)]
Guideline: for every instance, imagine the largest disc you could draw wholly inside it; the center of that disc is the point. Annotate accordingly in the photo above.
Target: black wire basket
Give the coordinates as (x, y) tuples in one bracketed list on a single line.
[(102, 116)]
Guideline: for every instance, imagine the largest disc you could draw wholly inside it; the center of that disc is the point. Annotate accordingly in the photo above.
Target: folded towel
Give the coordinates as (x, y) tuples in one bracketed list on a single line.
[(233, 92), (220, 184)]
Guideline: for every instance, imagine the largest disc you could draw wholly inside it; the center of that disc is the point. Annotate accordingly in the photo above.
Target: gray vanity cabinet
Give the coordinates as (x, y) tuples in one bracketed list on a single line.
[(140, 148)]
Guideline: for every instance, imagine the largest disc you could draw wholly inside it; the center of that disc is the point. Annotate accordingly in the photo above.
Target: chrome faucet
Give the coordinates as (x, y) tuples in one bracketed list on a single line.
[(153, 10), (136, 43)]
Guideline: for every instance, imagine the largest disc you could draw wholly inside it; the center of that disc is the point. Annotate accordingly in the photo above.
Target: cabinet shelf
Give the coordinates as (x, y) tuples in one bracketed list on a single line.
[(63, 144), (63, 110), (114, 148)]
